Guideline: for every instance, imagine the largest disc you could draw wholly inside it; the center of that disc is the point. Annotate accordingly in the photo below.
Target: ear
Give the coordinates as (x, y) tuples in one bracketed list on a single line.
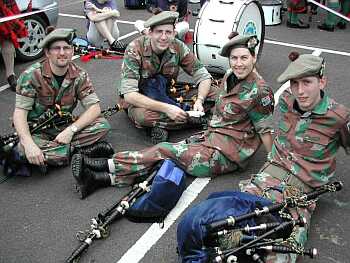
[(323, 82), (46, 52)]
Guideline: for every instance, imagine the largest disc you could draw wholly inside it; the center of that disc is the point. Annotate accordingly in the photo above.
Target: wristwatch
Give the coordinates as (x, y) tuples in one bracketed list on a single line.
[(73, 128)]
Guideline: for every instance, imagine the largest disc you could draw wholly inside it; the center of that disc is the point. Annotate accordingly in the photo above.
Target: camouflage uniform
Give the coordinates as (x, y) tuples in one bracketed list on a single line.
[(140, 63), (38, 91), (240, 115), (302, 157)]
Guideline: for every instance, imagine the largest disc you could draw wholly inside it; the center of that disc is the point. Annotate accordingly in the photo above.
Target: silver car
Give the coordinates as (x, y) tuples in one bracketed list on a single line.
[(36, 25)]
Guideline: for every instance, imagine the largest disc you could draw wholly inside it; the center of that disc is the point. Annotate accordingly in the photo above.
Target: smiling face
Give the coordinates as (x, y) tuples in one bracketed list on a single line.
[(241, 62), (59, 53), (161, 37), (306, 90)]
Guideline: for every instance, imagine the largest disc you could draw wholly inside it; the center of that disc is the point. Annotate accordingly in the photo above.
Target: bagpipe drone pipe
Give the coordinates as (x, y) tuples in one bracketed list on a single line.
[(236, 226), (148, 201)]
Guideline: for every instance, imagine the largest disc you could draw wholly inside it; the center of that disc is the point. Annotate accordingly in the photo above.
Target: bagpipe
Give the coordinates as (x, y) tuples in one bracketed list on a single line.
[(52, 118), (87, 52), (236, 226), (177, 93), (148, 201)]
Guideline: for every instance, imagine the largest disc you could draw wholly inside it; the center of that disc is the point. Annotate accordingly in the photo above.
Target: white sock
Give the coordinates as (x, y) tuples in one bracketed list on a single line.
[(111, 167)]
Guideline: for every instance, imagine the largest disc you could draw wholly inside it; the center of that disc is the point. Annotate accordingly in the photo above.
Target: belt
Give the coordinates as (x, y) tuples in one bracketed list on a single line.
[(286, 176)]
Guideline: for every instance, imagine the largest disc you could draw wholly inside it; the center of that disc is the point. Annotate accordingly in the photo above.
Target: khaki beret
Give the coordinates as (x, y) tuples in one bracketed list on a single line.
[(248, 41), (66, 34), (304, 66), (163, 18)]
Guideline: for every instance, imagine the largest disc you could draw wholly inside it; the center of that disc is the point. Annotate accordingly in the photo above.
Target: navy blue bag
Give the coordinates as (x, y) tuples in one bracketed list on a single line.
[(156, 88), (191, 231), (135, 4), (166, 189)]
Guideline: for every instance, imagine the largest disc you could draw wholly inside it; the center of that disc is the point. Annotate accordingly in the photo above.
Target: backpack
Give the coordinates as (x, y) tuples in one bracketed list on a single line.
[(166, 189)]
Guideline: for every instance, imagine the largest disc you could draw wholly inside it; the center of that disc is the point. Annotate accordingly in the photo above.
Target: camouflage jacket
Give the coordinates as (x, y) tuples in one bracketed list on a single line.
[(306, 144), (240, 115), (38, 90), (140, 62)]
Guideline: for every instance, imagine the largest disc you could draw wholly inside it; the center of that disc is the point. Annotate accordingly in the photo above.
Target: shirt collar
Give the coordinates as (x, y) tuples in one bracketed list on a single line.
[(72, 71)]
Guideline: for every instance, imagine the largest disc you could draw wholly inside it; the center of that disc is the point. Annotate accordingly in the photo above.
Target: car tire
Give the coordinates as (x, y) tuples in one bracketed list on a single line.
[(29, 49)]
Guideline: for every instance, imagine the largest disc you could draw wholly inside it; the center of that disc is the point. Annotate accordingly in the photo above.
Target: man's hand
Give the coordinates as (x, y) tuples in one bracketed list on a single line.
[(198, 105), (65, 136), (33, 154), (176, 114)]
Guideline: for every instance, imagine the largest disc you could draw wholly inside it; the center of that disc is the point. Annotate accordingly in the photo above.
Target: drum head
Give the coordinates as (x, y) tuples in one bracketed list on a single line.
[(217, 19)]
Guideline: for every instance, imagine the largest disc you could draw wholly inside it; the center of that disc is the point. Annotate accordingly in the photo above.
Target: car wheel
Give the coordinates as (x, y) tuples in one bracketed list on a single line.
[(28, 46)]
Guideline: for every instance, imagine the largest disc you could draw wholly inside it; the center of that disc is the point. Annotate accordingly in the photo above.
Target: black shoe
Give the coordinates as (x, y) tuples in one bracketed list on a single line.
[(80, 161), (299, 25), (12, 81), (159, 135), (326, 27), (118, 46), (88, 181), (97, 150), (341, 25)]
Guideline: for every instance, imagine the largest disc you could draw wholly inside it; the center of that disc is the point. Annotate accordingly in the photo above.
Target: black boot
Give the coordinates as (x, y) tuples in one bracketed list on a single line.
[(326, 27), (96, 150), (159, 135), (88, 181), (80, 161), (12, 81)]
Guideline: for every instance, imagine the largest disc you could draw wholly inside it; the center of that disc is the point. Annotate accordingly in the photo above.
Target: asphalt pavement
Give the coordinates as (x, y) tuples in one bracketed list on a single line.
[(40, 215)]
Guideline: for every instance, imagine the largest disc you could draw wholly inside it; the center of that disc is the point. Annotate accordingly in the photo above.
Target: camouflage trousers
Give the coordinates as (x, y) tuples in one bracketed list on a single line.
[(195, 158), (142, 117), (275, 183), (59, 154)]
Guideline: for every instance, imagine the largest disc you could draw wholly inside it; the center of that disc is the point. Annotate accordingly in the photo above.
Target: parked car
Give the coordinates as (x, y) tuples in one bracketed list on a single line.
[(36, 25)]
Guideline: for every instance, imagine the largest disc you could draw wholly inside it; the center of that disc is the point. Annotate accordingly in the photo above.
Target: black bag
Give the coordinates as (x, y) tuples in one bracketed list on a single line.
[(135, 4)]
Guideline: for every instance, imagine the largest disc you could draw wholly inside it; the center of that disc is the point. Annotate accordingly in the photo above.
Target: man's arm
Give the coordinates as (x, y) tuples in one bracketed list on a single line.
[(90, 115), (33, 153), (139, 100), (203, 90)]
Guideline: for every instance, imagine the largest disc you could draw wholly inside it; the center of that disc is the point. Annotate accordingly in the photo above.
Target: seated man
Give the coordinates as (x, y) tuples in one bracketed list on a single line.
[(57, 81), (102, 24), (241, 123), (312, 128), (159, 53)]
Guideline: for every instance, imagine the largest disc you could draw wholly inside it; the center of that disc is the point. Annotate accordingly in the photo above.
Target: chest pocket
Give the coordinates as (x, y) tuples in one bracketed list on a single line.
[(231, 111), (315, 143), (68, 98)]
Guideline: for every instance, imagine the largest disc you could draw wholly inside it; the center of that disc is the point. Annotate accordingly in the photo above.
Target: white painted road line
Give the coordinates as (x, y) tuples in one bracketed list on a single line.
[(154, 233), (336, 52)]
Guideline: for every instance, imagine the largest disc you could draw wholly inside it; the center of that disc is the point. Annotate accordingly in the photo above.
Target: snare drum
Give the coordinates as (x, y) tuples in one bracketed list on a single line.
[(216, 20), (272, 11)]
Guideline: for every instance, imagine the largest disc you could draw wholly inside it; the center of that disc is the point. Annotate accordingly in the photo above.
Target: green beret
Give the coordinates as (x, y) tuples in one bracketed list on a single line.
[(66, 34), (248, 41), (163, 18), (304, 66)]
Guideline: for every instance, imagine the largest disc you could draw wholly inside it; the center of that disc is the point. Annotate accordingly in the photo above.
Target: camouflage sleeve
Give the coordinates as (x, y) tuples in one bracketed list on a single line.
[(191, 65), (130, 72), (90, 100), (345, 135), (24, 102), (262, 114), (26, 92), (85, 87)]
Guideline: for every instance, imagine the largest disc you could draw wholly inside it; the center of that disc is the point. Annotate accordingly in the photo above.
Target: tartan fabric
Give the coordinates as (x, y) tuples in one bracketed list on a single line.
[(14, 29)]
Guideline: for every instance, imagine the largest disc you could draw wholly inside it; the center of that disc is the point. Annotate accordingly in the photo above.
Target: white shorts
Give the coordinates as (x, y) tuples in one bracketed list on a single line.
[(95, 38)]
